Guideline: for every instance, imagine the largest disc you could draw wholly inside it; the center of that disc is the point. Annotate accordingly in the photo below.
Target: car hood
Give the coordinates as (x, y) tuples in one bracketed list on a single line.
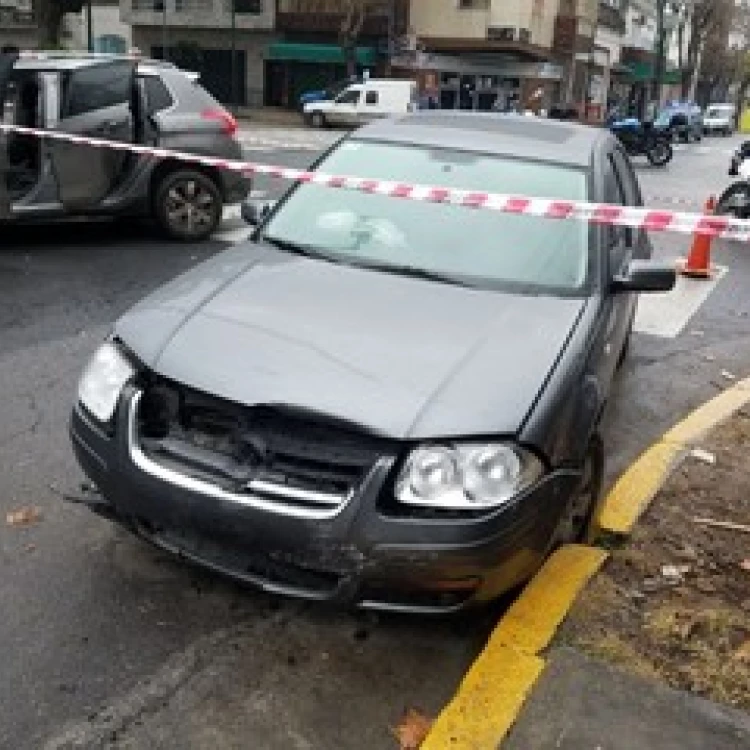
[(396, 356)]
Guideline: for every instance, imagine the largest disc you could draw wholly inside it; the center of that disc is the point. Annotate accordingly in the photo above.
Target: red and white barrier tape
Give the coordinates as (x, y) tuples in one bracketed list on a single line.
[(652, 220)]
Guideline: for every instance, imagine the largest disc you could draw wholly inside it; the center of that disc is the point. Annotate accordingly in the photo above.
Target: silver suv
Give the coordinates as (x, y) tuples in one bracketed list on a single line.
[(119, 99)]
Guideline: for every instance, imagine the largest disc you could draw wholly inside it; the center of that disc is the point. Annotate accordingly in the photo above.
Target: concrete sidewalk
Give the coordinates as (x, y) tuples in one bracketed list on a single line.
[(582, 704), (536, 686)]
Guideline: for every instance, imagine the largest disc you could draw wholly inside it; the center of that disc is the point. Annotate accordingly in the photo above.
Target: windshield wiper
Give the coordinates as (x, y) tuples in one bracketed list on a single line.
[(412, 272), (297, 249)]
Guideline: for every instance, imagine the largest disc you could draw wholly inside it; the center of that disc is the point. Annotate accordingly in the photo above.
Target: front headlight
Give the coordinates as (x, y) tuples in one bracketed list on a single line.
[(466, 477), (103, 380)]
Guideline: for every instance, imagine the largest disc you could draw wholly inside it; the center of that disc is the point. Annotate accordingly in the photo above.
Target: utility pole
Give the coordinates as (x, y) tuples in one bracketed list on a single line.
[(164, 38), (391, 35), (233, 65), (89, 26), (659, 62)]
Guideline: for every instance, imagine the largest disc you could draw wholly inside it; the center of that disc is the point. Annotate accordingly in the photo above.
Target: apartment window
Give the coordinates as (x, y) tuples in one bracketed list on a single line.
[(474, 4), (248, 7)]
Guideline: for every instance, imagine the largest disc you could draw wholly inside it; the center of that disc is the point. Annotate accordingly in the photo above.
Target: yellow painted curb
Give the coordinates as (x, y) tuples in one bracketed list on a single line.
[(498, 683), (496, 686), (637, 487)]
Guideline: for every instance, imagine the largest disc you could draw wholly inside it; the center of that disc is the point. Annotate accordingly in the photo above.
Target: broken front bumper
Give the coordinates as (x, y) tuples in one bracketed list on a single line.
[(360, 554)]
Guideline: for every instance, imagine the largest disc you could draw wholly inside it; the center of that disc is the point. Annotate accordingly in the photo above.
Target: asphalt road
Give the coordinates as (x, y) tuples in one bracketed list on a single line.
[(108, 643)]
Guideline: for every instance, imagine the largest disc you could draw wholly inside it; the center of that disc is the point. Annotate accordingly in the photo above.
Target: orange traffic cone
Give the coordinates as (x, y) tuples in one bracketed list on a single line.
[(698, 264)]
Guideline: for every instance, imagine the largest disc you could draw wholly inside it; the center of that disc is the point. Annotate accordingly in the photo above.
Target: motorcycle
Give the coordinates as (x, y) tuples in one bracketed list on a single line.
[(642, 139), (735, 200)]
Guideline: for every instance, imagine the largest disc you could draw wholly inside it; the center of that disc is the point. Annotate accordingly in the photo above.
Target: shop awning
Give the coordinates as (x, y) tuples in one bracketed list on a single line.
[(318, 53), (642, 72)]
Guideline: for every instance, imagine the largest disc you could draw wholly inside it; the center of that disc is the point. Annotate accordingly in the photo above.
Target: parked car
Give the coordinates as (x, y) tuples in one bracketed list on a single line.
[(327, 94), (360, 103), (719, 118), (119, 99), (380, 401), (681, 121)]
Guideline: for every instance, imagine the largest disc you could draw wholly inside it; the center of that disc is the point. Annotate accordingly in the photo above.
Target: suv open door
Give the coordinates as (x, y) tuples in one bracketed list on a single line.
[(7, 61), (98, 100)]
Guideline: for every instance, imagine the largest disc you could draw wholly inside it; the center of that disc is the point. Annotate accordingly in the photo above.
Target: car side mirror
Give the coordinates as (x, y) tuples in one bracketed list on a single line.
[(254, 211), (645, 276)]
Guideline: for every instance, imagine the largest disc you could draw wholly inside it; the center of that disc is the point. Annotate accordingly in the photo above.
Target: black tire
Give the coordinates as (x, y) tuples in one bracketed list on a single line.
[(659, 152), (576, 519), (188, 205), (722, 209), (318, 120)]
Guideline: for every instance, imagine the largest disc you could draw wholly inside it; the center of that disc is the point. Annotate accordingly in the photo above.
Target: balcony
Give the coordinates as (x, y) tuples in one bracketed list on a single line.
[(327, 16), (250, 15)]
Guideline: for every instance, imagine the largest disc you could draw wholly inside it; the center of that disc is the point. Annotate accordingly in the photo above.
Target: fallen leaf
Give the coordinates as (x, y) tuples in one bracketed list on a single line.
[(728, 375), (745, 565), (412, 729), (23, 516)]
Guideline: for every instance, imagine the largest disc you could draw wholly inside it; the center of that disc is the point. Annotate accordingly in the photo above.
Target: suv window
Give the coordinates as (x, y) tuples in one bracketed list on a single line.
[(98, 87), (371, 97), (158, 97), (349, 97)]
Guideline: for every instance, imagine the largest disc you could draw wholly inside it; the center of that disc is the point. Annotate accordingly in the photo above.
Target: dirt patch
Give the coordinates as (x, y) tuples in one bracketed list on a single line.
[(675, 603)]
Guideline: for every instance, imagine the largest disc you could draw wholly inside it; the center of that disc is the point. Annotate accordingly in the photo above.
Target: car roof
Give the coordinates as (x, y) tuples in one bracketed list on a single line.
[(67, 61), (531, 138)]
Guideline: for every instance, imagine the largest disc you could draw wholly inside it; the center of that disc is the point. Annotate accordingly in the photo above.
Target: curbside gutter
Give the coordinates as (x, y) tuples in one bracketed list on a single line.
[(494, 690)]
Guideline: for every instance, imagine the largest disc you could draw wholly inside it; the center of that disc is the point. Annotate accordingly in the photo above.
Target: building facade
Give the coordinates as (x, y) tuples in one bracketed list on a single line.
[(499, 54), (202, 35), (18, 28)]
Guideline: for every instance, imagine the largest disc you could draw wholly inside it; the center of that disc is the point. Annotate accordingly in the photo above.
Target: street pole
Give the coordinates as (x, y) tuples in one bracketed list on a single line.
[(659, 62), (164, 38), (391, 36), (234, 54), (89, 26)]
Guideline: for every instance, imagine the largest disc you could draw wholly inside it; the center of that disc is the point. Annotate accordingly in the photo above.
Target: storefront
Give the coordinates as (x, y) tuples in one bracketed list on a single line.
[(481, 82), (291, 68)]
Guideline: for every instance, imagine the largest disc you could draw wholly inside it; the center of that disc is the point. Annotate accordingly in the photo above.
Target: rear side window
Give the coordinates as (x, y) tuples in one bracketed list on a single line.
[(98, 87), (158, 97), (349, 97), (371, 97)]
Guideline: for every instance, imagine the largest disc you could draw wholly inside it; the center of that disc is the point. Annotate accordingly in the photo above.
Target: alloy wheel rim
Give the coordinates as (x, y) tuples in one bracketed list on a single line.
[(190, 207)]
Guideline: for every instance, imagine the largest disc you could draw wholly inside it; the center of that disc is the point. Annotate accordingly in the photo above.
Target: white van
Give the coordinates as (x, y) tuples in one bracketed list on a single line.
[(362, 102), (719, 118)]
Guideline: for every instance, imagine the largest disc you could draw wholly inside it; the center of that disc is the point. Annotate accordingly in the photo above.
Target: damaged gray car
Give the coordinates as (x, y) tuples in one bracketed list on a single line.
[(381, 402)]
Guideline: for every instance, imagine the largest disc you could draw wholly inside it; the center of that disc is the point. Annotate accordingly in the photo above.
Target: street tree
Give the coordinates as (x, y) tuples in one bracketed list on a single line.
[(50, 15), (707, 19), (355, 15)]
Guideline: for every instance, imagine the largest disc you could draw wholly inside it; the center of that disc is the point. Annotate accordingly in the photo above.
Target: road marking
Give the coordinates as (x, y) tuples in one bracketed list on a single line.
[(666, 315), (496, 686)]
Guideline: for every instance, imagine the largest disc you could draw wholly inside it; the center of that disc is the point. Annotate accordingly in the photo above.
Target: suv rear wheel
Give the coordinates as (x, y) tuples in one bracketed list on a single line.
[(188, 205)]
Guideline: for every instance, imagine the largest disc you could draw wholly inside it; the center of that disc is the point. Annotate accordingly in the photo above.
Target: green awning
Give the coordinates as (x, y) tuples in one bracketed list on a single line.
[(643, 72), (318, 53)]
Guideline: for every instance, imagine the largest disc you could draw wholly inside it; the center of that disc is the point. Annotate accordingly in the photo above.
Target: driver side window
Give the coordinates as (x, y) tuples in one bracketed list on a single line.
[(615, 236)]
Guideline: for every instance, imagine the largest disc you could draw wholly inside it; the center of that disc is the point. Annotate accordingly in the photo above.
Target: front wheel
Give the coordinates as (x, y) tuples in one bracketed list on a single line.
[(581, 506), (659, 153), (735, 201), (188, 205), (318, 120)]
